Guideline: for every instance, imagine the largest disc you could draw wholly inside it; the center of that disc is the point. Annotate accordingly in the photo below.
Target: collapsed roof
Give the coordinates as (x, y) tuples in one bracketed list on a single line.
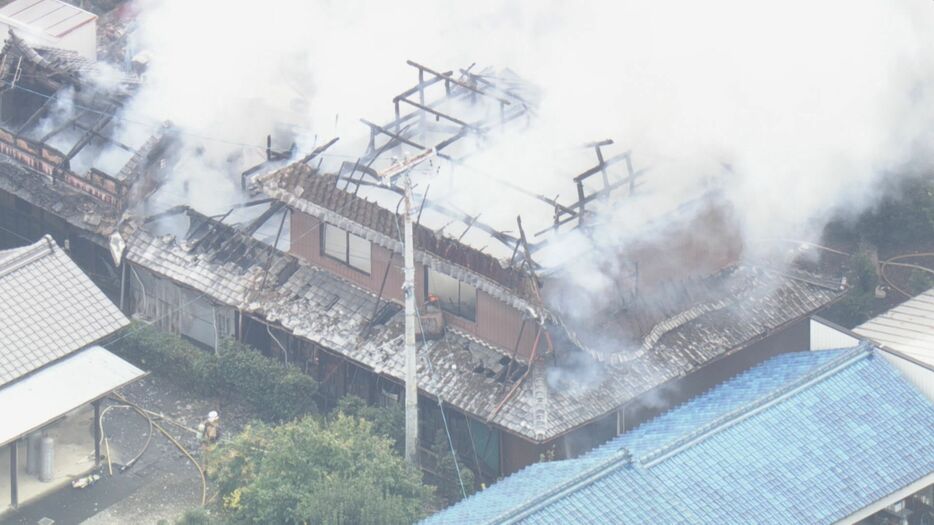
[(231, 267), (59, 118)]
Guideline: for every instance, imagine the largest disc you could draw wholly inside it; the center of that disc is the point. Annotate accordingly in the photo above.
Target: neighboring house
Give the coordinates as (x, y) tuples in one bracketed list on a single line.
[(52, 23), (835, 436), (52, 376)]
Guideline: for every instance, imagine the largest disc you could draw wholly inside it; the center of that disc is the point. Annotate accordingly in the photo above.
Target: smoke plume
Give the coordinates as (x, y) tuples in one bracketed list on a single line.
[(798, 110)]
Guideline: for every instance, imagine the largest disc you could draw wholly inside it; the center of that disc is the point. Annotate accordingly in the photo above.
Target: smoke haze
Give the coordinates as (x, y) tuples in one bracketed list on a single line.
[(798, 109)]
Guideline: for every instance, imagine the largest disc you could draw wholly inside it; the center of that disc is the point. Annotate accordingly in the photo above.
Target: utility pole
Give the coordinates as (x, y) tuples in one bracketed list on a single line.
[(411, 365), (408, 291)]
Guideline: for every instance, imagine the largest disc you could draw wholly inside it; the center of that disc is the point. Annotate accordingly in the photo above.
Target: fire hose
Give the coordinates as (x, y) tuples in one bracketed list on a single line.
[(143, 412)]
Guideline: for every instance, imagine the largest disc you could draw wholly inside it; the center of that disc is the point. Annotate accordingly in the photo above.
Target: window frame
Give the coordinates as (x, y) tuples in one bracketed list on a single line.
[(346, 259), (459, 311)]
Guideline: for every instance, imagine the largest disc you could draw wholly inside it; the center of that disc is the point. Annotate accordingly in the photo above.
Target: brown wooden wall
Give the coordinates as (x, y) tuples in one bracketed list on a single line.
[(497, 323)]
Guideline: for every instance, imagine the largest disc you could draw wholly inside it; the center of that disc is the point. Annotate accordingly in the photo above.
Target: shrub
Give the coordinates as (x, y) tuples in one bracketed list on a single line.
[(196, 517), (276, 391)]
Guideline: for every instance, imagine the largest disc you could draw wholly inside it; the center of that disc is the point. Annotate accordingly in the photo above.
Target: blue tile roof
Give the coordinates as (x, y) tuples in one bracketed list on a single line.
[(807, 437)]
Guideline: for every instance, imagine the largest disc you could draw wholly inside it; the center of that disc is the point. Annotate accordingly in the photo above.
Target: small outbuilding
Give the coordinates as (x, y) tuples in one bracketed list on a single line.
[(53, 374)]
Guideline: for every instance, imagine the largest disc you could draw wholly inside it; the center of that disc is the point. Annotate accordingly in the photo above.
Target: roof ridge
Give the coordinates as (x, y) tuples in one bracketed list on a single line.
[(732, 417), (29, 255), (621, 457)]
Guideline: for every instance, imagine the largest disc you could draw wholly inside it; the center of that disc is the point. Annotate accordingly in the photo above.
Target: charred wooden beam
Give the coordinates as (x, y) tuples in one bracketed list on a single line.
[(257, 223), (602, 165), (101, 123), (439, 114), (105, 137), (456, 82), (319, 150), (399, 138), (421, 86), (61, 127), (593, 196)]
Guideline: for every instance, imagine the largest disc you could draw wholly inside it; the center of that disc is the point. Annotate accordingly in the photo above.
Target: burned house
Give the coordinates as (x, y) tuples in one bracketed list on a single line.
[(311, 272), (310, 269), (70, 165)]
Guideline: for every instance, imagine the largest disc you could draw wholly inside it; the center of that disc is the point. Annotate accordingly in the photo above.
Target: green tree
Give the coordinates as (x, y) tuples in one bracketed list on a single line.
[(449, 484), (388, 421), (306, 471)]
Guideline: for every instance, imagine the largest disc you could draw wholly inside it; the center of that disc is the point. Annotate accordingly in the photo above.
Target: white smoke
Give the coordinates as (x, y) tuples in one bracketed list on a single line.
[(809, 104)]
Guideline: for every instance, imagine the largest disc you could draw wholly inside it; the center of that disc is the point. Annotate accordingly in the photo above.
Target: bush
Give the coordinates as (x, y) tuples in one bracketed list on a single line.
[(276, 391), (196, 517)]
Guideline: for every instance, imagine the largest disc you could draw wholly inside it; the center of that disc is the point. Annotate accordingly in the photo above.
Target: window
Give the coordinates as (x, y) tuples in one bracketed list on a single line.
[(454, 296), (346, 247)]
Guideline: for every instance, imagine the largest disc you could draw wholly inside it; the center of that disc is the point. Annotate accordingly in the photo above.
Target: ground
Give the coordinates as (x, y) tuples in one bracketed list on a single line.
[(161, 485)]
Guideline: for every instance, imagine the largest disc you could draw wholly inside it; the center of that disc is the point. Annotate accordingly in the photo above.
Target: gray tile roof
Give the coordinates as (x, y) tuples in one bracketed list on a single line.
[(76, 208), (48, 309), (744, 303)]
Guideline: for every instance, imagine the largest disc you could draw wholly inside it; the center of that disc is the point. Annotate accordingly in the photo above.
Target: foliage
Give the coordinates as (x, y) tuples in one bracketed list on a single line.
[(197, 516), (305, 471), (449, 486), (278, 392), (903, 219), (859, 303), (388, 421), (863, 276)]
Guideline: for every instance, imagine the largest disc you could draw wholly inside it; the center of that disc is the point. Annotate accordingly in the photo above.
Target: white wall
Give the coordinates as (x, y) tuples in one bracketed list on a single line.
[(920, 376), (826, 337)]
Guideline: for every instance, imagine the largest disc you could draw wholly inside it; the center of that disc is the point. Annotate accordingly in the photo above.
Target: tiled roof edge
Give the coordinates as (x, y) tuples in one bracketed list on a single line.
[(621, 458), (735, 416), (45, 246)]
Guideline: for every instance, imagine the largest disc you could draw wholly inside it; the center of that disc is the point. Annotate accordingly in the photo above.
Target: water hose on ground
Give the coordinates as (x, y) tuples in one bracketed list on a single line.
[(141, 411)]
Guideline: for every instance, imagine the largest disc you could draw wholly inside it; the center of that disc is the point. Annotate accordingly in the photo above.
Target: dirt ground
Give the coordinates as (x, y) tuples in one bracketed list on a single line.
[(162, 484)]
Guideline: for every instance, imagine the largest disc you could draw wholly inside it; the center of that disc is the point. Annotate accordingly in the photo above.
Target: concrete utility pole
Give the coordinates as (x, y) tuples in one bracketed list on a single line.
[(408, 292), (411, 365)]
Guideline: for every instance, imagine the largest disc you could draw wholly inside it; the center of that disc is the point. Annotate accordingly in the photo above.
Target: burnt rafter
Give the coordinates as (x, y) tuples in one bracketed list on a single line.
[(566, 213), (103, 120)]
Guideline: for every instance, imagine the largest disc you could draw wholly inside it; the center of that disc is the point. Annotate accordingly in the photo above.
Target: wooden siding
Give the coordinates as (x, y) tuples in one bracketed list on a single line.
[(497, 323)]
